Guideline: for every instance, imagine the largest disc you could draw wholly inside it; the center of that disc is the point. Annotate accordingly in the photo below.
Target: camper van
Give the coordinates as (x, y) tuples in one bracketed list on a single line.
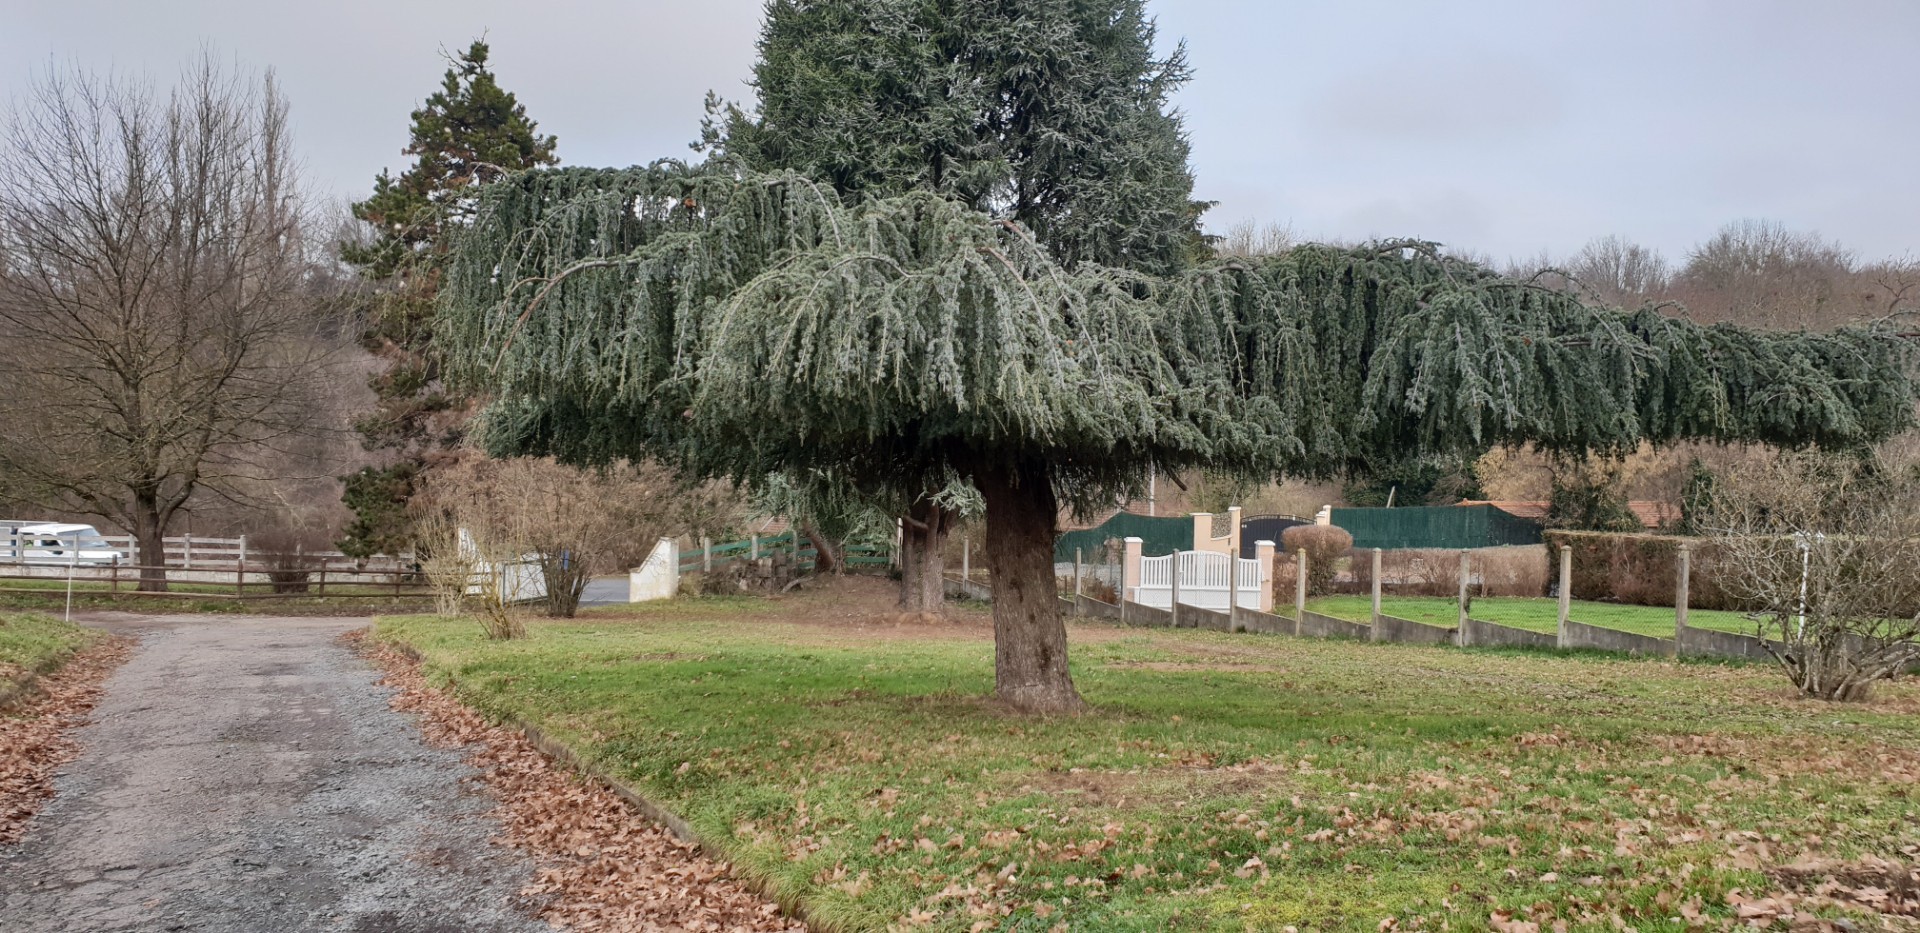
[(61, 544)]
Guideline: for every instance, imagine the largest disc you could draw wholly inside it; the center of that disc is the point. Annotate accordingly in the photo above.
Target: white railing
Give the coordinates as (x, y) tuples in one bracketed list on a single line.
[(190, 552), (1203, 581)]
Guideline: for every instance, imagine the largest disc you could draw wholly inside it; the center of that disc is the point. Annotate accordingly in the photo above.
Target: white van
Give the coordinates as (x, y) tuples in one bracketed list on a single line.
[(61, 544)]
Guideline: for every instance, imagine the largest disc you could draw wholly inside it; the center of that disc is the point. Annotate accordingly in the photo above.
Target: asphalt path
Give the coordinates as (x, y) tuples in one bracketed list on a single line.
[(246, 774)]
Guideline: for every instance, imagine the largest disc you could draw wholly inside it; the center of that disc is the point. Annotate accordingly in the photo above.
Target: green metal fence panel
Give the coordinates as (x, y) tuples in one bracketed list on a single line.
[(1158, 536), (1449, 527)]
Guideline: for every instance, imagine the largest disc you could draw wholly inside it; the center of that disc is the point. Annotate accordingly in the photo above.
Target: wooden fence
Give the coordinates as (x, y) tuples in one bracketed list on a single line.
[(192, 552), (233, 582)]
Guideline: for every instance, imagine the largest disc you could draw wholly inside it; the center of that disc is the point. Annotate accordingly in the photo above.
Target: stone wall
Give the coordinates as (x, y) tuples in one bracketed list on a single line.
[(1315, 625), (1261, 623), (1481, 634), (1582, 635), (1705, 643), (1407, 631)]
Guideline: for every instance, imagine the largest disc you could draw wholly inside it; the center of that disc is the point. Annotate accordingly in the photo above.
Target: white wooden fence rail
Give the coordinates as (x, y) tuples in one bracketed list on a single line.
[(191, 552)]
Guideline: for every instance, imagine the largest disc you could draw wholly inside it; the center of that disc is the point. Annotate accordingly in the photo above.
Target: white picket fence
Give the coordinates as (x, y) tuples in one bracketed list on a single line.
[(1204, 578)]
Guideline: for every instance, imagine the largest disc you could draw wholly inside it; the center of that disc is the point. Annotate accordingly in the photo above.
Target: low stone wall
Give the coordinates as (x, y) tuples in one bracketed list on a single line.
[(1582, 635), (1263, 623), (1481, 634), (1137, 614), (1095, 609), (968, 589), (1409, 632), (1196, 617), (1315, 625), (1705, 643)]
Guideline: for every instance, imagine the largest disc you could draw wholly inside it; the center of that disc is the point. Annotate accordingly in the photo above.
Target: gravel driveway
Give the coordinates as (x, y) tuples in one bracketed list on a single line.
[(245, 774)]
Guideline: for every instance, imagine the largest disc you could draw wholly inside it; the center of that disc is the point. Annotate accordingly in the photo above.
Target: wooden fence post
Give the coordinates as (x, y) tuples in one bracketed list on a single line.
[(1566, 594), (186, 546)]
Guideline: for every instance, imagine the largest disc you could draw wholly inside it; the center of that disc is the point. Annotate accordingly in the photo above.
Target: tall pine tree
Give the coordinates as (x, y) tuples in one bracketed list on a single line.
[(1054, 115), (468, 133)]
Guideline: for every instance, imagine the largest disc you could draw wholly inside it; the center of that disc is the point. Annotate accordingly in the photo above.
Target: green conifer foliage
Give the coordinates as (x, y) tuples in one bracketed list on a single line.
[(1054, 115), (741, 324), (468, 133)]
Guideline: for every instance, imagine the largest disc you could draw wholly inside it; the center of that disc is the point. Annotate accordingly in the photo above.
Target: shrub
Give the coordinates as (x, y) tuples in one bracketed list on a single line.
[(1824, 548), (1640, 568), (1325, 545), (1502, 571)]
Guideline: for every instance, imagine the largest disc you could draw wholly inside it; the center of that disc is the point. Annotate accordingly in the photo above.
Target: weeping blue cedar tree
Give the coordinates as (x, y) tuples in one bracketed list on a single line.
[(738, 323), (1053, 114)]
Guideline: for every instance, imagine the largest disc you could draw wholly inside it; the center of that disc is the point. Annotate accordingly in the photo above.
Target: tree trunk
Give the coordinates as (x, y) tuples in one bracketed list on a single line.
[(923, 557), (1029, 639), (828, 556), (150, 537)]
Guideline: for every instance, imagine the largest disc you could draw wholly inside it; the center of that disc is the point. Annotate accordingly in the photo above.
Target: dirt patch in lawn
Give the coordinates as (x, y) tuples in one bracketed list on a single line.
[(36, 734), (601, 865)]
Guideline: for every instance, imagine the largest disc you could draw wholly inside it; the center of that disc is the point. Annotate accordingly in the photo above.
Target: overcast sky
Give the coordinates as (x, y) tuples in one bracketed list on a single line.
[(1501, 128)]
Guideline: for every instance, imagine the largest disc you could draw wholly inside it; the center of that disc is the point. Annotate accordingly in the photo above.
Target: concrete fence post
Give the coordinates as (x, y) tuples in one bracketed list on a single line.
[(1566, 594), (1076, 581), (1376, 585), (966, 557), (1263, 557), (1233, 582), (1299, 589), (1233, 531), (1173, 578), (706, 554), (186, 548), (1681, 584), (753, 547), (1463, 637)]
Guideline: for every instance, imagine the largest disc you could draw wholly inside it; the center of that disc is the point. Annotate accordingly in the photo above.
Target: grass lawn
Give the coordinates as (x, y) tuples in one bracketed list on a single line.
[(1221, 782), (1539, 615), (31, 641)]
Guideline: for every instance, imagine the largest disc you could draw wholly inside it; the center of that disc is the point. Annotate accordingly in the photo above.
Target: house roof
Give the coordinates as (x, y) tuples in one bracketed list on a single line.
[(1652, 513)]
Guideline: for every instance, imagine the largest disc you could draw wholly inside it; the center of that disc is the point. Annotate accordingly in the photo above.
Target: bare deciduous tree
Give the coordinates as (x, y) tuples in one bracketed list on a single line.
[(1249, 239), (1620, 273), (1827, 552), (158, 335), (575, 523)]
